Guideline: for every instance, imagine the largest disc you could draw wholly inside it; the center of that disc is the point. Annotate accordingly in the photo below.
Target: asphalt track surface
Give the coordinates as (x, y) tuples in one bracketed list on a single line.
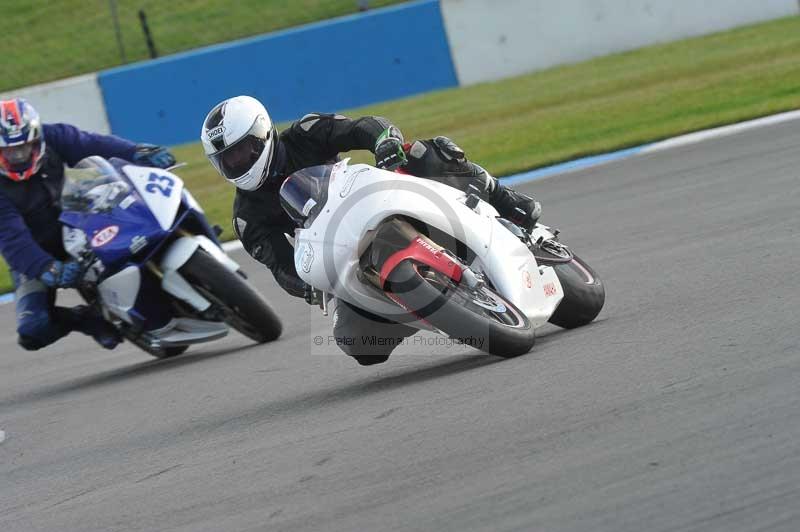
[(677, 410)]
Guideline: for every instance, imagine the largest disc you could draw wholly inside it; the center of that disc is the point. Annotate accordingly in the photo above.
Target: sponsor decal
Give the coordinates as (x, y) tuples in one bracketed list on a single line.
[(337, 169), (160, 183), (305, 257), (138, 243), (427, 246), (351, 179), (104, 236), (550, 289), (215, 133), (526, 279)]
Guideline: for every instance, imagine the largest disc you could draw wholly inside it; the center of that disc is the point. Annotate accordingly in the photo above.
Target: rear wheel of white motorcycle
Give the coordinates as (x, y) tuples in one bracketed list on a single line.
[(244, 308), (479, 317), (584, 294)]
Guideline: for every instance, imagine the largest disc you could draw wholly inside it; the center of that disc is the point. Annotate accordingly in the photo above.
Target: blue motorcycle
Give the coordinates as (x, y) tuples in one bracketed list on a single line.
[(153, 265)]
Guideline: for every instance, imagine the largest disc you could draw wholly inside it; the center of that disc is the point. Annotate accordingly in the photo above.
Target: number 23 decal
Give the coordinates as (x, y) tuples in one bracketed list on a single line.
[(160, 183)]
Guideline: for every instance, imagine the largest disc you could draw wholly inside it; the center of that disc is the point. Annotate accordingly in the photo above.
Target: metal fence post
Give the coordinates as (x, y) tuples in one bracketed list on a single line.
[(112, 4), (148, 37)]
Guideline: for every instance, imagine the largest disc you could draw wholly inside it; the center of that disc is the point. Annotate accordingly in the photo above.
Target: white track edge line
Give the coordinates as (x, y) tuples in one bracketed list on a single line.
[(722, 131)]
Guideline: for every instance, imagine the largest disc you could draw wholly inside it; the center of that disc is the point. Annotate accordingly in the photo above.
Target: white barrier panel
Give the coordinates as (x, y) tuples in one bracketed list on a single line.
[(76, 101), (495, 39)]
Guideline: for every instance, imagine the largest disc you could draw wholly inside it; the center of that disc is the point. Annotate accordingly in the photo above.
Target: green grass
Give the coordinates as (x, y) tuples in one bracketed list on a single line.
[(53, 40), (593, 107)]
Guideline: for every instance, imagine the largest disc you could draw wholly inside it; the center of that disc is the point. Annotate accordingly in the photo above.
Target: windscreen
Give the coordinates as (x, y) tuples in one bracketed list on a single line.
[(305, 192), (93, 186)]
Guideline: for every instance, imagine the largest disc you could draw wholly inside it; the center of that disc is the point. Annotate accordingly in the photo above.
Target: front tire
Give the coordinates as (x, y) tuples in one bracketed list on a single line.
[(584, 294), (243, 308), (490, 322)]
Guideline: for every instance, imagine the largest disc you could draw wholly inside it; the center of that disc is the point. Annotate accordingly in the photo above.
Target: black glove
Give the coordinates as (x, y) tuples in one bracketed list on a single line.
[(152, 155), (61, 274), (389, 153)]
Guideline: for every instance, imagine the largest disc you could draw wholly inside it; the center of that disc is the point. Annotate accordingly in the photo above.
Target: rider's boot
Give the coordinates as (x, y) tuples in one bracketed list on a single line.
[(519, 208), (515, 206), (83, 319)]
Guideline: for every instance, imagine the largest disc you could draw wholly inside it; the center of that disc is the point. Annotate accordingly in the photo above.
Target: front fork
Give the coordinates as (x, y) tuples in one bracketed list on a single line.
[(324, 305)]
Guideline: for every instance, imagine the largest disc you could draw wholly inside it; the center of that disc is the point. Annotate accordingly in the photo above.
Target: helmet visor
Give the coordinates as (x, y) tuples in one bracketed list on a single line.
[(239, 158)]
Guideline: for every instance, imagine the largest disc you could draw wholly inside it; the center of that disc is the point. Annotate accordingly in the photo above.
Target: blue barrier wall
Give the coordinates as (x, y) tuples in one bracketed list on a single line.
[(329, 66)]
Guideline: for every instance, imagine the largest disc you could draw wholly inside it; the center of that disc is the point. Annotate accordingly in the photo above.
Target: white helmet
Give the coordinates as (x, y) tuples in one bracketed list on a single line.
[(239, 139)]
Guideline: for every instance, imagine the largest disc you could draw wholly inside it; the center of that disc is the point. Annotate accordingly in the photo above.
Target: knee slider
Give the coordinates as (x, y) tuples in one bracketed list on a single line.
[(448, 149)]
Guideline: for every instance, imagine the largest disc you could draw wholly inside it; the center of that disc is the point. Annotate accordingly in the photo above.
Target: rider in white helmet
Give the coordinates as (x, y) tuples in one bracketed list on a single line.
[(241, 141)]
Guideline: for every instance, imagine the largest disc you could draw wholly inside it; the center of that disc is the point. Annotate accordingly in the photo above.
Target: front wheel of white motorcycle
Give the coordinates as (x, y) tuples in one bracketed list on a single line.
[(478, 316), (584, 294)]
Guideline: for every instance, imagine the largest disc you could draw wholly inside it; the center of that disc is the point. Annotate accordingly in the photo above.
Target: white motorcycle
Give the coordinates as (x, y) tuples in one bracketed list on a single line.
[(422, 253)]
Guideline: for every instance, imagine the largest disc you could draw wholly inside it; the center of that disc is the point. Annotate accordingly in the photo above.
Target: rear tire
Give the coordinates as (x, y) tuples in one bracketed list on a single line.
[(584, 294), (504, 330), (244, 308)]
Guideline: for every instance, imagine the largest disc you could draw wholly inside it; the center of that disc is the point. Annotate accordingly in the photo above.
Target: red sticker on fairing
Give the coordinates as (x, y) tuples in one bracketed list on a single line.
[(526, 279), (550, 289), (104, 236)]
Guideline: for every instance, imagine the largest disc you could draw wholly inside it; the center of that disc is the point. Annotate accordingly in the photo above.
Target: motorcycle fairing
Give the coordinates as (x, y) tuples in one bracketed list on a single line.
[(142, 224), (114, 233), (120, 291), (361, 197)]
